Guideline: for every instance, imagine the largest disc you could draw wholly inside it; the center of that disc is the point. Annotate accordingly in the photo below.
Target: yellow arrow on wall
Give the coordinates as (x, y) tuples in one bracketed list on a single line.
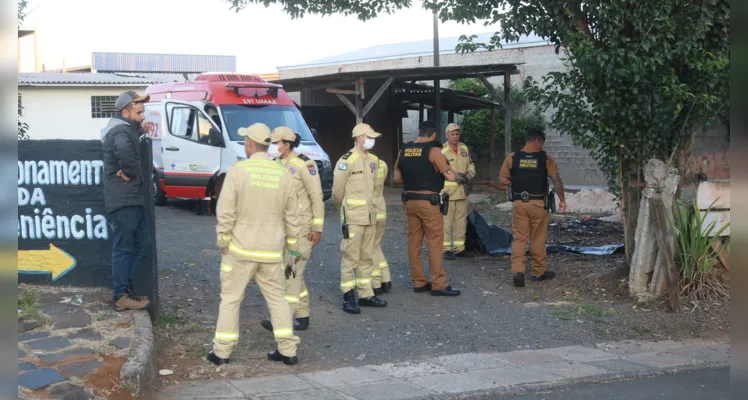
[(53, 261)]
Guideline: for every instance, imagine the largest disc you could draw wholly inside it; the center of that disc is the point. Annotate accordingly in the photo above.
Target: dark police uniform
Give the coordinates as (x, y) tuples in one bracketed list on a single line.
[(422, 165), (529, 172)]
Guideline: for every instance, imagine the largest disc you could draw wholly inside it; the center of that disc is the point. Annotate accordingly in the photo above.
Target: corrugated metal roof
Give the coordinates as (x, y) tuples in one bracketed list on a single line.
[(96, 79), (174, 63), (411, 49)]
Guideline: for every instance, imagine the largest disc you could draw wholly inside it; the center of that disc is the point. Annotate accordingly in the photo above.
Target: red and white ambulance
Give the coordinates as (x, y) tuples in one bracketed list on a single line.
[(194, 127)]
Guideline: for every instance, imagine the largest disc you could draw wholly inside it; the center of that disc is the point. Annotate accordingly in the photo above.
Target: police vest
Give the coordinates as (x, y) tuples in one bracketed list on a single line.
[(417, 170), (529, 173)]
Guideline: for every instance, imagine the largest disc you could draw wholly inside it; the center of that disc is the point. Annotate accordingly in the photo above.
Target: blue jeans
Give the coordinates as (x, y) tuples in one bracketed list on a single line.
[(131, 245)]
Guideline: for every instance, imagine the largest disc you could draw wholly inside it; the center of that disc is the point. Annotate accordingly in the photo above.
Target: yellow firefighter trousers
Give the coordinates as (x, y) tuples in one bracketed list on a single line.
[(381, 268), (296, 291), (455, 226), (357, 264), (236, 272)]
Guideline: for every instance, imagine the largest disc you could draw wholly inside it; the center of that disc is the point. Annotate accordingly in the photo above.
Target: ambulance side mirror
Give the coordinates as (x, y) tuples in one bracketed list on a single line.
[(216, 139)]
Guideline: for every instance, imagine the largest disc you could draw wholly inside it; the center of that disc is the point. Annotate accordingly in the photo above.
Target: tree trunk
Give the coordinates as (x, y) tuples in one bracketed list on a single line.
[(630, 199)]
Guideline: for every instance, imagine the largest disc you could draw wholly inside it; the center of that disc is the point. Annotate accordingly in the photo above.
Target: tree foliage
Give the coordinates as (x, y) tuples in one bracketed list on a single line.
[(476, 125), (22, 126)]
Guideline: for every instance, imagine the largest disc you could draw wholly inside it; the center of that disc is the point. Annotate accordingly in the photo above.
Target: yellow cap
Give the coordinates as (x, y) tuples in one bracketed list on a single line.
[(258, 132), (453, 127), (282, 133), (365, 129)]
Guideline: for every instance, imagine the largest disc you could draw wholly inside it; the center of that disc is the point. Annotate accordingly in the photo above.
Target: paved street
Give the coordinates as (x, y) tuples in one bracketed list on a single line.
[(490, 316), (491, 375)]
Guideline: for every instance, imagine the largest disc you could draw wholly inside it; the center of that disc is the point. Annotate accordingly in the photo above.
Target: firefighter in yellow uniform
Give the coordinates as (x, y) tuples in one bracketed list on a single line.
[(353, 193), (381, 279), (258, 215), (311, 218), (455, 222)]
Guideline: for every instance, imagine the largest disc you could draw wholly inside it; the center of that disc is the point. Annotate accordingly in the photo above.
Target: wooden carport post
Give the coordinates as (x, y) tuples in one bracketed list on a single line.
[(359, 110)]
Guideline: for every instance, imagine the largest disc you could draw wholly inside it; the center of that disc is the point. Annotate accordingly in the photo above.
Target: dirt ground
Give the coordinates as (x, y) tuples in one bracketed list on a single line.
[(491, 315)]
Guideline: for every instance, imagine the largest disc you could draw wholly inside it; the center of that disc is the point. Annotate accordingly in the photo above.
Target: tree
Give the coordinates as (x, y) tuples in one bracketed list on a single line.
[(22, 126), (476, 125), (642, 76)]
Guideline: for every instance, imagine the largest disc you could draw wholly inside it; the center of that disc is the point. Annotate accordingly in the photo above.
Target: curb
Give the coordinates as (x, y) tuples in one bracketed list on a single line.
[(139, 373)]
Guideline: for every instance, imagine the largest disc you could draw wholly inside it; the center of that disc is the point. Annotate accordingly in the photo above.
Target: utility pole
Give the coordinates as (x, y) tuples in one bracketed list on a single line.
[(437, 88)]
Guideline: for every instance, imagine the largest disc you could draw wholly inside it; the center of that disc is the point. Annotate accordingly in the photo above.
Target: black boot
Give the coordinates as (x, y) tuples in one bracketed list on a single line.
[(267, 325), (378, 291), (212, 357), (448, 255), (277, 356), (465, 254), (387, 287), (372, 301), (349, 303), (547, 275), (301, 324), (519, 279)]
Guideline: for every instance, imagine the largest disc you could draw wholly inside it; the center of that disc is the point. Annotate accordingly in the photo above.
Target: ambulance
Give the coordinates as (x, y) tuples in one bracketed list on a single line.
[(193, 126)]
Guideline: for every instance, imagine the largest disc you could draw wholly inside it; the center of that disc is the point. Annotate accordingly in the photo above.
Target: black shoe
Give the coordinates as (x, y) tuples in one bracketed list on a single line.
[(277, 356), (378, 291), (372, 301), (212, 357), (387, 286), (448, 255), (423, 289), (447, 291), (466, 254), (267, 325), (547, 275), (519, 279), (349, 303), (301, 324)]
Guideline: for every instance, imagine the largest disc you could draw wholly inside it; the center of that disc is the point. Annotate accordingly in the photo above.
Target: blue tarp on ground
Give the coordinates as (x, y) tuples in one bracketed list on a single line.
[(486, 238)]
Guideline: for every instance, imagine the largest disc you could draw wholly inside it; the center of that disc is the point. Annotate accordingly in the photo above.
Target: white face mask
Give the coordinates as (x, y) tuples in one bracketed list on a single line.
[(369, 143), (273, 151)]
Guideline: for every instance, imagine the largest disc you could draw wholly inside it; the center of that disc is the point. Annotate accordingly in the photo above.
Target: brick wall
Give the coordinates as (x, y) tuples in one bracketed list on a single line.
[(711, 152)]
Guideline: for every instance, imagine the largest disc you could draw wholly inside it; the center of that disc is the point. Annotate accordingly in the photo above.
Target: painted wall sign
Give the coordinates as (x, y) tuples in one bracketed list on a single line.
[(63, 234)]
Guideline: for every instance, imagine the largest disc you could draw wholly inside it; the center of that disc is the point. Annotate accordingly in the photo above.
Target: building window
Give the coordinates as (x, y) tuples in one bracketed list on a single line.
[(103, 106)]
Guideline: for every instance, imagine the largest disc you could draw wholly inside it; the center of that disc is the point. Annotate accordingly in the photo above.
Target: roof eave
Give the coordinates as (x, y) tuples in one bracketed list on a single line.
[(87, 84)]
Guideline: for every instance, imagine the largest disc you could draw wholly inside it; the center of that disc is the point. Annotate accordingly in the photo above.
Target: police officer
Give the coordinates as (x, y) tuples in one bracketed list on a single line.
[(381, 280), (311, 218), (421, 168), (257, 218), (455, 222), (527, 172), (353, 193)]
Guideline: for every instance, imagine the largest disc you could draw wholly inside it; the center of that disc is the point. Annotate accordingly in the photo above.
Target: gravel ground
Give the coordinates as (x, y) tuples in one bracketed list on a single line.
[(491, 315)]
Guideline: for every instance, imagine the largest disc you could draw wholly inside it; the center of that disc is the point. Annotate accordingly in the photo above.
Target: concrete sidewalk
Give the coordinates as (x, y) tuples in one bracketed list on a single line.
[(470, 374)]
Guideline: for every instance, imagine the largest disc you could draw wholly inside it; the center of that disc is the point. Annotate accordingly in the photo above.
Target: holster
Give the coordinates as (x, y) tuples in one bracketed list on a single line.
[(444, 206), (550, 201)]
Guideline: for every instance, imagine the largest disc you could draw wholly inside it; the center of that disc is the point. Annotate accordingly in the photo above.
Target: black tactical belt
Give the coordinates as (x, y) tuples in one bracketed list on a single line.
[(525, 197), (430, 197)]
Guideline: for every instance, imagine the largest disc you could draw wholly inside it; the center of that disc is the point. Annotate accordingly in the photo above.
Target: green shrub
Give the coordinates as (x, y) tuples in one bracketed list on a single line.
[(693, 242)]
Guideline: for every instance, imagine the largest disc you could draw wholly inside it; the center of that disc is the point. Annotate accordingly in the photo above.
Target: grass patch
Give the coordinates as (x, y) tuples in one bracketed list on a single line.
[(166, 321), (563, 315), (196, 352), (591, 310), (193, 327), (28, 303), (641, 330)]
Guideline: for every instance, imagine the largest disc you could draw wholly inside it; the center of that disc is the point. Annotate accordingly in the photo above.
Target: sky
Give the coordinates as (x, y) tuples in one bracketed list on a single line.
[(261, 38)]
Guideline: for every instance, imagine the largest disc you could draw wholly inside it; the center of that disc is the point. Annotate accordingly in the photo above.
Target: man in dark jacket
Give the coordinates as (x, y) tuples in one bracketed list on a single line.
[(123, 182)]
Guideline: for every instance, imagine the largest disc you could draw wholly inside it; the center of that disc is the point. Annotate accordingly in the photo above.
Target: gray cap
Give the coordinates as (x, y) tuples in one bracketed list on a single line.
[(129, 97)]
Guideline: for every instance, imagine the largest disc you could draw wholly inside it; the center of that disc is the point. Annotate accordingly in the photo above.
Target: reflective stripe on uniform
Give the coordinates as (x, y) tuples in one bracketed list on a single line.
[(356, 202), (383, 264), (351, 235), (318, 221), (450, 183), (267, 255), (223, 237), (348, 284), (459, 242), (297, 162), (381, 216), (447, 244), (376, 272), (291, 299), (229, 336), (363, 281), (283, 332), (303, 294), (225, 267), (353, 157), (291, 241)]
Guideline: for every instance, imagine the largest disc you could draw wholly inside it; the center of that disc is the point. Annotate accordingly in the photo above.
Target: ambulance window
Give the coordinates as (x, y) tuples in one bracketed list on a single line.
[(182, 121), (212, 111)]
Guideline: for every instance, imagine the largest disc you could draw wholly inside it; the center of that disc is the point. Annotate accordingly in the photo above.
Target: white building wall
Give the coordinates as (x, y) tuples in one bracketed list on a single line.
[(65, 112)]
